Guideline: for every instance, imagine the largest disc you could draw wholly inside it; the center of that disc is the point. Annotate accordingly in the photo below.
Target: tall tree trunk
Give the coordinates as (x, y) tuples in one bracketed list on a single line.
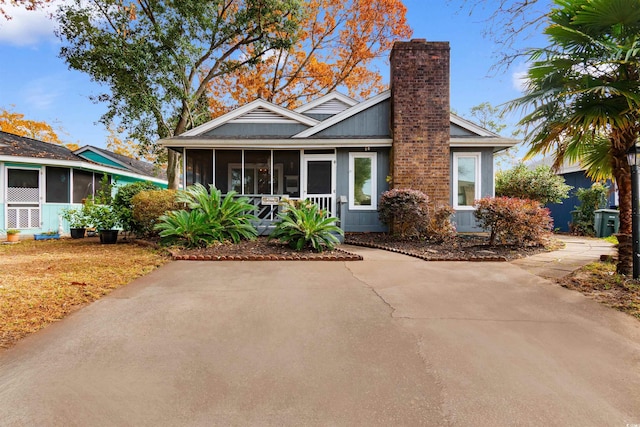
[(622, 175), (173, 169)]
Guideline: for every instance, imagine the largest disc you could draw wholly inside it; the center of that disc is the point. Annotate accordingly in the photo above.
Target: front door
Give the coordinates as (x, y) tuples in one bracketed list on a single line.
[(319, 181), (23, 198)]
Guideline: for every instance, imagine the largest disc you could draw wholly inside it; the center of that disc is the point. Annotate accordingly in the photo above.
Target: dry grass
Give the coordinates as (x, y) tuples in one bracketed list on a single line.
[(43, 281), (600, 281)]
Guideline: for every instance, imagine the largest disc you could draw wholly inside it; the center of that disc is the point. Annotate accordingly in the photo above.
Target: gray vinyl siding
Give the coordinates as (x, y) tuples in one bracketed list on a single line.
[(372, 122), (464, 220), (360, 221), (456, 130), (319, 117), (252, 130)]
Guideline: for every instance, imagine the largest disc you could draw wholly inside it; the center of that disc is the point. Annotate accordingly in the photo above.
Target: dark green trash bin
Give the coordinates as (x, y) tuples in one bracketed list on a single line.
[(607, 222)]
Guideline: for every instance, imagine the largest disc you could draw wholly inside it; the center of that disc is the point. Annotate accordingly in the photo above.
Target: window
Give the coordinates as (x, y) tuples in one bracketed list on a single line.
[(466, 179), (258, 172), (57, 184), (87, 184), (82, 185), (362, 181), (199, 167)]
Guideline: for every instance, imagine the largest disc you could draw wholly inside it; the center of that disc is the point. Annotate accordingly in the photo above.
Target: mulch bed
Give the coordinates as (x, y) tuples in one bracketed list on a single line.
[(259, 250), (473, 247), (463, 248)]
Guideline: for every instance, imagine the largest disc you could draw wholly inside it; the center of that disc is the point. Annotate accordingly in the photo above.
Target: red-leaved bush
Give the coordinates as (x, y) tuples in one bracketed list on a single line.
[(404, 211), (440, 227), (513, 221)]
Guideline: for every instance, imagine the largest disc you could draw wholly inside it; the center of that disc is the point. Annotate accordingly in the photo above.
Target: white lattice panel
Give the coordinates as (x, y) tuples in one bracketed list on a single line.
[(23, 195), (23, 217), (12, 218)]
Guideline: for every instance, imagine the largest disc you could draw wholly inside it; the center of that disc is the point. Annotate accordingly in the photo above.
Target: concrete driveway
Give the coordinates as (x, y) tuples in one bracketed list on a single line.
[(387, 341)]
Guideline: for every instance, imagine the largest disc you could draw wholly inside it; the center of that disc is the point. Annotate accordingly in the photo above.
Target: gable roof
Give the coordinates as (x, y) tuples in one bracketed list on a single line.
[(29, 150), (332, 103), (258, 111), (22, 146), (129, 163), (352, 111), (472, 127)]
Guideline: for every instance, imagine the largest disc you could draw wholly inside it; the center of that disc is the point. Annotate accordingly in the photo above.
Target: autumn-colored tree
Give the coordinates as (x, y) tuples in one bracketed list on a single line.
[(27, 4), (127, 147), (15, 123), (336, 44), (156, 57)]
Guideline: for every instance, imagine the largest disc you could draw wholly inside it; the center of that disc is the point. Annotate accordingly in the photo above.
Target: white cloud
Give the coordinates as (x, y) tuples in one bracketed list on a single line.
[(42, 93), (519, 80), (26, 27)]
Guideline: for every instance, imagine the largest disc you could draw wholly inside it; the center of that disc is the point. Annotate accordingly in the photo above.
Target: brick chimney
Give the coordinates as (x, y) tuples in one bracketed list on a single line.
[(420, 118)]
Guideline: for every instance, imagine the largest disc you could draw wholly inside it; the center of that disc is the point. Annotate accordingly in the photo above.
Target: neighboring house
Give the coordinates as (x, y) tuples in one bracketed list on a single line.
[(575, 176), (342, 154), (38, 180)]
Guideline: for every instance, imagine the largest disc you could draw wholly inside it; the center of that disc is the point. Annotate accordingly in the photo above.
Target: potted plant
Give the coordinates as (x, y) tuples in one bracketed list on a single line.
[(105, 220), (47, 235), (77, 220), (13, 235)]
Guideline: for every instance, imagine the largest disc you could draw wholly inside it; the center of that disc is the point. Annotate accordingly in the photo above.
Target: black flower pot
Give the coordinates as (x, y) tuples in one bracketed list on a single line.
[(77, 233), (108, 237)]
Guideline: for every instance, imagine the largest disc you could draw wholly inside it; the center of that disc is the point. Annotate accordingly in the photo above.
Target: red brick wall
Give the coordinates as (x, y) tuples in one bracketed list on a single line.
[(420, 115)]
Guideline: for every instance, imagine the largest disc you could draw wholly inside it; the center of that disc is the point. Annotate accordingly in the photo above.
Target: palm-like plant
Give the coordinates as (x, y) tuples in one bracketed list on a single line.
[(306, 225), (583, 92), (209, 218)]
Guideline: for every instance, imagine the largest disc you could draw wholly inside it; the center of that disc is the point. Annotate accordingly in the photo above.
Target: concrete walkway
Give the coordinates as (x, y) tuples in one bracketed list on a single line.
[(578, 252), (390, 340)]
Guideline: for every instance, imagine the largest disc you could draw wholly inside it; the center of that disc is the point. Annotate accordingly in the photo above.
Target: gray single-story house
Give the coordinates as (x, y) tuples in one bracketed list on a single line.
[(38, 180), (342, 154)]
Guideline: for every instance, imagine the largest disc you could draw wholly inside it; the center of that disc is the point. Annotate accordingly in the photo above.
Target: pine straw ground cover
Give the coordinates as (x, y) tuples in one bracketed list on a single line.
[(599, 281), (43, 281)]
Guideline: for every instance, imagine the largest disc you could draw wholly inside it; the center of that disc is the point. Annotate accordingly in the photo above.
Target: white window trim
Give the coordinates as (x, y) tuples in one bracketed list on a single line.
[(478, 191), (374, 178)]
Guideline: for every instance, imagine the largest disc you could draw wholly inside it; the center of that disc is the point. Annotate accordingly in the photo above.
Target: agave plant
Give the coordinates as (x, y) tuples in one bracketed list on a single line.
[(306, 225), (209, 218)]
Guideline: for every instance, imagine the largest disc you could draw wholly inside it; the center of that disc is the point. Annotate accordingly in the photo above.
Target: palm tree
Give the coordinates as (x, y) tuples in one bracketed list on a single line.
[(583, 94)]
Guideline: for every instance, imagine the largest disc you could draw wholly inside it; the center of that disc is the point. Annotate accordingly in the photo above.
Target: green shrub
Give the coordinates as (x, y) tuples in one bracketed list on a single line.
[(76, 217), (440, 227), (591, 199), (404, 211), (122, 203), (539, 184), (209, 218), (513, 221), (101, 217), (305, 225), (147, 208), (190, 229)]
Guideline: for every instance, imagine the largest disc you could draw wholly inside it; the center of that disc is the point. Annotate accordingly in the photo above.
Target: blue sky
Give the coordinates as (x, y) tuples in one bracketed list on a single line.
[(35, 82)]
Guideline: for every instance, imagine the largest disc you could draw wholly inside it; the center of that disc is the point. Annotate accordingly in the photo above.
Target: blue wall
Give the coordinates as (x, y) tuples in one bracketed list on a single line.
[(561, 212)]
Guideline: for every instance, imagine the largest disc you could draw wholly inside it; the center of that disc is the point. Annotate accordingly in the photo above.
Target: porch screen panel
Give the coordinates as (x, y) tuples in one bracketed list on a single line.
[(289, 162), (97, 178), (82, 185), (257, 172), (199, 167), (229, 170), (319, 177), (57, 185)]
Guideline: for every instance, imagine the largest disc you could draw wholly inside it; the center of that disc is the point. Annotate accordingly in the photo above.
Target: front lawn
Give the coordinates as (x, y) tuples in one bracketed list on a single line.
[(43, 281)]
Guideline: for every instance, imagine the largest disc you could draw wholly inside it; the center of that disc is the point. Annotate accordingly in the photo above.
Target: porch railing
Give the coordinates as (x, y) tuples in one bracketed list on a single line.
[(267, 213)]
